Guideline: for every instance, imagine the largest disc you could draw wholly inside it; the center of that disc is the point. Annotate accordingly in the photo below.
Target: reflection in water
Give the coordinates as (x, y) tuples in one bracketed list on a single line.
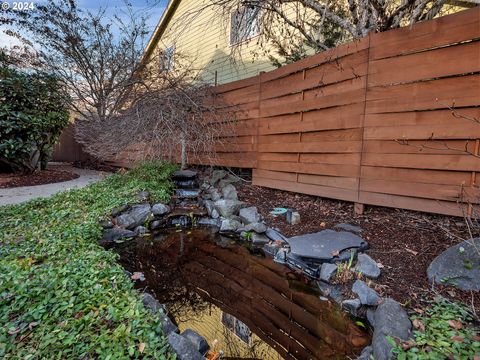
[(248, 303)]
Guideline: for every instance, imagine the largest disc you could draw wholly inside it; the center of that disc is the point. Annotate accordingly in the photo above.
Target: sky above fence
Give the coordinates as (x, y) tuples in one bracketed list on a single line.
[(152, 8)]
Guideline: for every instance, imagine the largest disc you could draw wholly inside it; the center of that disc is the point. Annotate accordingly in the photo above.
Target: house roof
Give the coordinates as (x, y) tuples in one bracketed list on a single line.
[(162, 25)]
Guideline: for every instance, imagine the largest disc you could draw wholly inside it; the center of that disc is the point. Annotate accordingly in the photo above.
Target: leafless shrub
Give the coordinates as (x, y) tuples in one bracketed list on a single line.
[(171, 116)]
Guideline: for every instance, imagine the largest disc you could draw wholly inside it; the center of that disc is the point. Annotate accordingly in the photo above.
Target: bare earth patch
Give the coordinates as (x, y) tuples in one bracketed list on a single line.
[(404, 242), (37, 178)]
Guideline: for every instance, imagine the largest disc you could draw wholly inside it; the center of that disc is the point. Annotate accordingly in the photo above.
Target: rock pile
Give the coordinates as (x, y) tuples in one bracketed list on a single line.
[(214, 202)]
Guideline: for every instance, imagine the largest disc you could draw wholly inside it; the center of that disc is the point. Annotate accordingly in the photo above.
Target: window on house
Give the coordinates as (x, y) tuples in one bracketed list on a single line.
[(237, 327), (167, 59), (244, 24)]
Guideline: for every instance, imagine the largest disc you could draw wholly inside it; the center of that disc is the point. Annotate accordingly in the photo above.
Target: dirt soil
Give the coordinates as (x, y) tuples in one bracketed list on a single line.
[(404, 242), (37, 178)]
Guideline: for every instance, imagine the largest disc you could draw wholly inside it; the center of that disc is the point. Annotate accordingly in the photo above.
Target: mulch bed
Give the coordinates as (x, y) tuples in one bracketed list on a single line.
[(37, 178), (404, 242)]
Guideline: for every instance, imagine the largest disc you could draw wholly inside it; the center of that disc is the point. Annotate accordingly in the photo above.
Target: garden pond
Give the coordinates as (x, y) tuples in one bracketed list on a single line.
[(239, 300)]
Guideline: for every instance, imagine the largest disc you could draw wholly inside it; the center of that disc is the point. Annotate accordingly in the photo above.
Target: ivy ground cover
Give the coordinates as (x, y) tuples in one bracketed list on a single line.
[(62, 296)]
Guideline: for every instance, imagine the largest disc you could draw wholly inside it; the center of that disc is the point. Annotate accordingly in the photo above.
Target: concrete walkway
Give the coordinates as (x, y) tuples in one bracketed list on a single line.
[(25, 193)]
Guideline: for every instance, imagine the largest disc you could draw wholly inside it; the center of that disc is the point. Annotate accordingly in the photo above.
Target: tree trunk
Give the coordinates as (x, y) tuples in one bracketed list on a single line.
[(183, 143)]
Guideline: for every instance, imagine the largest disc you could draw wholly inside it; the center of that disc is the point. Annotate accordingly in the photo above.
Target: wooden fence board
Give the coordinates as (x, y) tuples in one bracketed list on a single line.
[(416, 175), (462, 26), (433, 64), (461, 117), (434, 94), (426, 161), (317, 190), (420, 147)]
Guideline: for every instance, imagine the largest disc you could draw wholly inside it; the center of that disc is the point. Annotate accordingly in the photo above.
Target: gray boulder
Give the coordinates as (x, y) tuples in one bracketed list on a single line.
[(136, 216), (208, 204), (184, 174), (118, 210), (366, 295), (332, 291), (250, 215), (197, 340), (140, 230), (258, 227), (167, 325), (327, 271), (111, 235), (275, 235), (216, 176), (151, 303), (227, 208), (352, 306), (390, 320), (259, 239), (155, 224), (215, 214), (366, 352), (160, 209), (371, 316), (324, 245), (183, 347), (367, 266), (229, 225), (106, 224), (205, 221), (143, 196), (214, 194), (126, 221), (459, 266), (229, 192)]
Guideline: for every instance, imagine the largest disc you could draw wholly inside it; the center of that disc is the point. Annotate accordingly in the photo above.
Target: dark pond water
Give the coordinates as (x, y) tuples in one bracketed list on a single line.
[(242, 303)]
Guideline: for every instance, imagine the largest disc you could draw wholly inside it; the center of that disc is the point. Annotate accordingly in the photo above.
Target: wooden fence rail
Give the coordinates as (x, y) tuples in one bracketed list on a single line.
[(392, 119)]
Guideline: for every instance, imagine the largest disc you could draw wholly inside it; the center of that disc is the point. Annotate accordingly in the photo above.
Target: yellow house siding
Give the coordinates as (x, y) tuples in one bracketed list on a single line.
[(202, 39)]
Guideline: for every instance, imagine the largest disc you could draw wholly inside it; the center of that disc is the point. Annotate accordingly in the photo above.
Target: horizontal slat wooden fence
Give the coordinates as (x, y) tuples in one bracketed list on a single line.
[(392, 119)]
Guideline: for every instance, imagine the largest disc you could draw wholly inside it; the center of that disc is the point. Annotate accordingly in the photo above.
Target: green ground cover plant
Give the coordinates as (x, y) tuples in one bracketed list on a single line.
[(446, 330), (62, 296)]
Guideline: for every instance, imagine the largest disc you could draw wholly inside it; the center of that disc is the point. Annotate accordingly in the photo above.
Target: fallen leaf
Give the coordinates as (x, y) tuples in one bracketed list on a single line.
[(418, 324), (137, 276), (418, 311), (456, 324), (79, 315), (380, 265), (14, 331), (476, 338), (457, 338), (322, 224), (141, 347), (32, 325), (413, 252), (408, 345)]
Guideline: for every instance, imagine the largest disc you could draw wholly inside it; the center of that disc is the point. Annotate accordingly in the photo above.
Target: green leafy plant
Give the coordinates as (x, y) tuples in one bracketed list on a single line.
[(61, 294), (248, 235), (33, 113), (445, 331), (193, 219)]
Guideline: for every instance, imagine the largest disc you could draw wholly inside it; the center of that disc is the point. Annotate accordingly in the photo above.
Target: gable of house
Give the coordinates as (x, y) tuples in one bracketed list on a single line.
[(202, 39)]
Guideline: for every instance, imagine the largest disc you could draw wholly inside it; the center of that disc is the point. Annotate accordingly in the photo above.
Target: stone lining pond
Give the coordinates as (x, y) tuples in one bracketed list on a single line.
[(241, 302)]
